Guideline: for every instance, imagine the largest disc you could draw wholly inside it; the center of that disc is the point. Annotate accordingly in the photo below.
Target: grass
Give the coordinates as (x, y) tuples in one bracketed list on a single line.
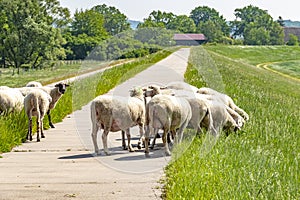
[(14, 127), (262, 160), (62, 70), (291, 68)]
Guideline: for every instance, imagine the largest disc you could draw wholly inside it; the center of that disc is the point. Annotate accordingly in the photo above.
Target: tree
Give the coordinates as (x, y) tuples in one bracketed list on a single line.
[(157, 19), (256, 36), (86, 32), (182, 23), (153, 35), (252, 17), (211, 30), (114, 21), (205, 17), (28, 32)]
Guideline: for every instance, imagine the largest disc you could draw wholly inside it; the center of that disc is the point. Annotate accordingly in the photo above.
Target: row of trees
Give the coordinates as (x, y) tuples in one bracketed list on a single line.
[(35, 32), (252, 24)]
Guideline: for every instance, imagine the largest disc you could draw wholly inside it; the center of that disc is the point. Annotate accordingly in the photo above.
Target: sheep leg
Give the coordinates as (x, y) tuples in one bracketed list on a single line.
[(94, 137), (123, 140), (154, 139), (29, 133), (164, 139), (38, 129), (181, 130), (169, 135), (104, 140), (42, 126), (142, 138), (49, 119), (130, 149), (147, 134)]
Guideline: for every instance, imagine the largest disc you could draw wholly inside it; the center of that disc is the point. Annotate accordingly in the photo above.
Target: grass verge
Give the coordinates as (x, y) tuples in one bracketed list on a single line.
[(260, 162)]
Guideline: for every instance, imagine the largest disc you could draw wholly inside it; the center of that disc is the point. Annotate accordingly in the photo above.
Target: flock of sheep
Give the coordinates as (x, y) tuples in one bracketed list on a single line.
[(172, 108), (35, 99)]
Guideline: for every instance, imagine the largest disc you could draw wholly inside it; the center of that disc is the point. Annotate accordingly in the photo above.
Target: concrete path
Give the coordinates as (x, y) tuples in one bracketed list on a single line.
[(62, 165)]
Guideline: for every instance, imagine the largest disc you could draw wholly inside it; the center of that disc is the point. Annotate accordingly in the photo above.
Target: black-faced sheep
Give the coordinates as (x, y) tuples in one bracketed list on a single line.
[(55, 92), (115, 113)]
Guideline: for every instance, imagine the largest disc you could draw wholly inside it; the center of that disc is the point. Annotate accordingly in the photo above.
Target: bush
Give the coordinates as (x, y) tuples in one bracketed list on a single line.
[(293, 40)]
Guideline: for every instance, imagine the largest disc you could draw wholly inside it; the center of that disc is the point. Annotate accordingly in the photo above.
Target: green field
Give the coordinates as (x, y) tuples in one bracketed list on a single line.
[(291, 68), (62, 70), (262, 160)]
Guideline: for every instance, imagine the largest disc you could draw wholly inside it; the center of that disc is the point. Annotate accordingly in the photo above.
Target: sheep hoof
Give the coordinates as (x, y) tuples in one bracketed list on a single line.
[(43, 136), (97, 153), (51, 125), (151, 147), (139, 146), (38, 140), (131, 150), (125, 148), (147, 155), (168, 153)]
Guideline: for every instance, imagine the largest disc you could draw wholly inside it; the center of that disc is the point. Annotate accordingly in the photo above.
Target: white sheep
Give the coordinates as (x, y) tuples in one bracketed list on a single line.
[(225, 99), (180, 85), (34, 84), (200, 109), (4, 87), (170, 113), (36, 103), (222, 120), (207, 111), (115, 113), (11, 100), (55, 92)]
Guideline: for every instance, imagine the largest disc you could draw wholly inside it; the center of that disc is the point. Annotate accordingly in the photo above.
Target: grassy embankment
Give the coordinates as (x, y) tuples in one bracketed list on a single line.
[(13, 127), (260, 162)]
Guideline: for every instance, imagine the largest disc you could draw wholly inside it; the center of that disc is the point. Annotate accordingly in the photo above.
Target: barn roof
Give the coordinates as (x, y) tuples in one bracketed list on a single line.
[(189, 36)]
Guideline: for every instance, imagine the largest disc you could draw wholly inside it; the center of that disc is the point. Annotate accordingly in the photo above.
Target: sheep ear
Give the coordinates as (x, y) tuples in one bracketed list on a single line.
[(67, 85), (144, 89)]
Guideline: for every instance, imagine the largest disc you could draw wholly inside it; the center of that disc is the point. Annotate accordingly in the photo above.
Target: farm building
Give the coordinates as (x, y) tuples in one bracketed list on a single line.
[(291, 30), (189, 39)]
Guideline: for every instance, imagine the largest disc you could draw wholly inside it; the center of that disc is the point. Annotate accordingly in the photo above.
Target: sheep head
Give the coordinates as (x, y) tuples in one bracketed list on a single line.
[(136, 92), (62, 87)]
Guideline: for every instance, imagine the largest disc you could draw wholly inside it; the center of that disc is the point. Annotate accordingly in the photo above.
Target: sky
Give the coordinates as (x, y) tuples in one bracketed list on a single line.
[(141, 9)]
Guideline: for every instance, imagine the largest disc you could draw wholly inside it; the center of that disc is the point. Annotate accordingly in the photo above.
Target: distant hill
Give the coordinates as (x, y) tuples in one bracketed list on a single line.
[(133, 24), (289, 23)]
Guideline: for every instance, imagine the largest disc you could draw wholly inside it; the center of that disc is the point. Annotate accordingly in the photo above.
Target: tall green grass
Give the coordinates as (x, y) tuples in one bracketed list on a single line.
[(13, 128), (262, 160), (291, 68)]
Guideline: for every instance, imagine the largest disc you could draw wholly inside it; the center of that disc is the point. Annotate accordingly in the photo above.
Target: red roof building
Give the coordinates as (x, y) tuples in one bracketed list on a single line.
[(189, 39)]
